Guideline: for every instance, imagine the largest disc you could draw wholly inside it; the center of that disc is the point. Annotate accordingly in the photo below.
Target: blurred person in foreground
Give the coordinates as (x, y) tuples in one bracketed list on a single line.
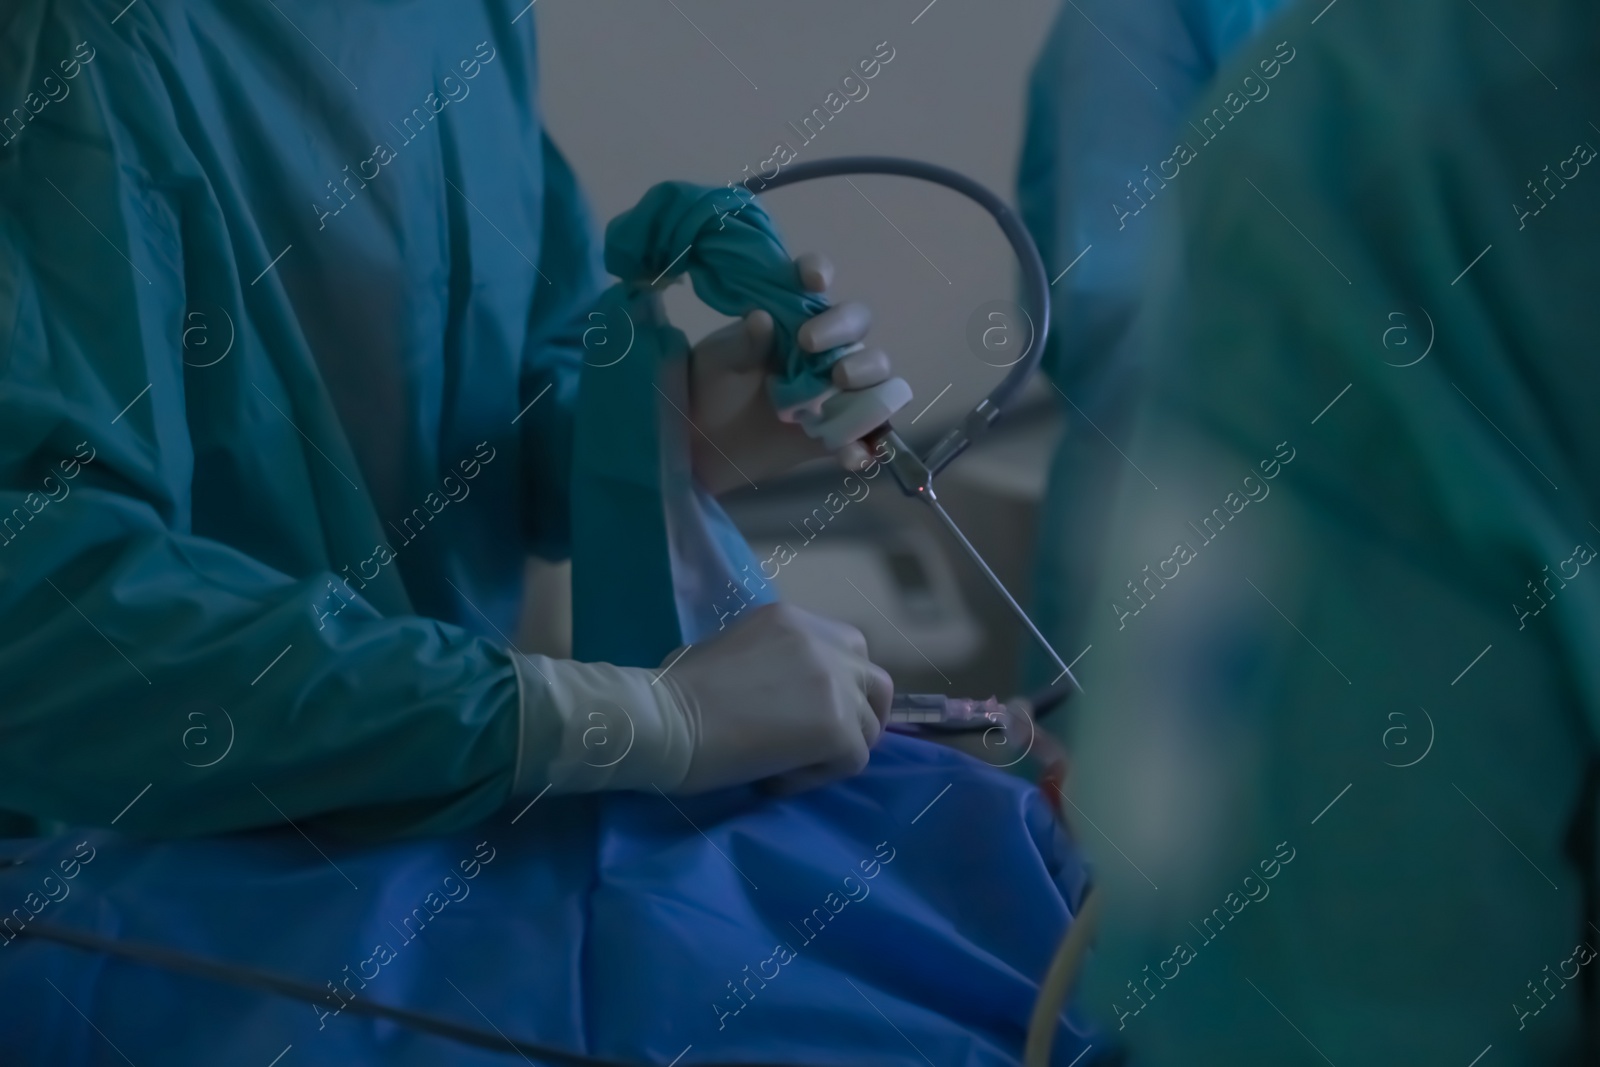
[(1108, 104), (1338, 745)]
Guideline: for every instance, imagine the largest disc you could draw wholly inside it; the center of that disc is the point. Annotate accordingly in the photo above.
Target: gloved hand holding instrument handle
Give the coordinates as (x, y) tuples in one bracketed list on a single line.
[(765, 646)]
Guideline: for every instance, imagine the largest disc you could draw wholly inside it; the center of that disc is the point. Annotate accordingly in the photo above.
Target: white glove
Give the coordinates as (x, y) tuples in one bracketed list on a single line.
[(585, 727), (782, 695)]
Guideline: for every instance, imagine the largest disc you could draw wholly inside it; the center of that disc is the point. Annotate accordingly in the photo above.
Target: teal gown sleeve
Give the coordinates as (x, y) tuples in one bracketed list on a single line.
[(208, 607)]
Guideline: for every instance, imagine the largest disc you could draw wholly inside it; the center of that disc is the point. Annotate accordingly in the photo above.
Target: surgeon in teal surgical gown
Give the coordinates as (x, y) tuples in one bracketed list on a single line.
[(292, 300), (1343, 700)]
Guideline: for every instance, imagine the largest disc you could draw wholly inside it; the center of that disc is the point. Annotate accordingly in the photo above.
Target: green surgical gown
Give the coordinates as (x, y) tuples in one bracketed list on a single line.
[(1336, 757), (290, 299)]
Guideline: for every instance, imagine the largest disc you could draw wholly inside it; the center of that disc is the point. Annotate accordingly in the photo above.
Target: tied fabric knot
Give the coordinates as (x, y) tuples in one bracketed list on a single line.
[(736, 261)]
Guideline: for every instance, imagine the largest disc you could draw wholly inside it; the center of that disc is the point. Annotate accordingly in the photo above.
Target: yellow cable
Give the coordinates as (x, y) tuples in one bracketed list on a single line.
[(1058, 982)]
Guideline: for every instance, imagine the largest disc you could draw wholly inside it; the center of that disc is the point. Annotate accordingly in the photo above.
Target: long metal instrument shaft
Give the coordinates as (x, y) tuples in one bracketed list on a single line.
[(999, 586), (916, 480)]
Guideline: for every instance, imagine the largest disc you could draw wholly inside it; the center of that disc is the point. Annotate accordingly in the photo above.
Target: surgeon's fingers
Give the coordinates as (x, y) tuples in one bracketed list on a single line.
[(854, 456), (879, 689), (741, 345), (843, 324), (872, 681), (758, 336), (862, 368), (816, 271), (839, 634)]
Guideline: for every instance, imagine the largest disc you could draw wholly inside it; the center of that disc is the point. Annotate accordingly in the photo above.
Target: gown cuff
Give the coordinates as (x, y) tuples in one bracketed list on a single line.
[(586, 727)]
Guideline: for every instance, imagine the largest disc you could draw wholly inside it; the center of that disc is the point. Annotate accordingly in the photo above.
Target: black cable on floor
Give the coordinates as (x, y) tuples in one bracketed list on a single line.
[(170, 959)]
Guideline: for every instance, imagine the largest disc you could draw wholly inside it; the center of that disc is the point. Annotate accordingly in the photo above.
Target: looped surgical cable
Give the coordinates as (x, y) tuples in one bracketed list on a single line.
[(915, 473)]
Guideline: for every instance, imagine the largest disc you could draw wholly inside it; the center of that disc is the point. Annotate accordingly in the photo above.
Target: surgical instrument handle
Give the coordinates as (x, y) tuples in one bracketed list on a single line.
[(1035, 283)]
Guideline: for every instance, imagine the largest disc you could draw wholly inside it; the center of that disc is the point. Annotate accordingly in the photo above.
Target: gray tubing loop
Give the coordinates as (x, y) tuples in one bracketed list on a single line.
[(1035, 284)]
